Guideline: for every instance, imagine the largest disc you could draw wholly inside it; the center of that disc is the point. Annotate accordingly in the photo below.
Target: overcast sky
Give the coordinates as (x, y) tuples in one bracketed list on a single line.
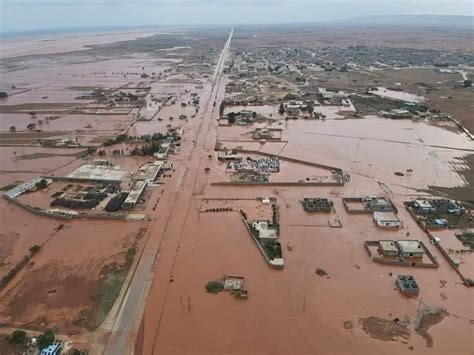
[(21, 15)]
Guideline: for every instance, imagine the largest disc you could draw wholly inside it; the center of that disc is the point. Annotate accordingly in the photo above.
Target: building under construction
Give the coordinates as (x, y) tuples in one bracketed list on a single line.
[(317, 205)]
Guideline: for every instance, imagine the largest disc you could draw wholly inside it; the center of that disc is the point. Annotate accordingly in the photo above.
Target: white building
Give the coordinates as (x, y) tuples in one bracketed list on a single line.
[(265, 231), (387, 219)]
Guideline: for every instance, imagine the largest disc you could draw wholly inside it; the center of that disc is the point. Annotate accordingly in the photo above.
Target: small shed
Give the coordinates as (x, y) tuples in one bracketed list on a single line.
[(407, 285)]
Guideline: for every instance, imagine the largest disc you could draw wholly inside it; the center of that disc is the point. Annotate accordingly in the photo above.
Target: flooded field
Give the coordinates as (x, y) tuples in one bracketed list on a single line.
[(399, 95), (139, 286)]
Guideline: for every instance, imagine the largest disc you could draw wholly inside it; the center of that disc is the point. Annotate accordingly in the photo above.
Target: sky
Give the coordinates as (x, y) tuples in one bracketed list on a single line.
[(37, 15)]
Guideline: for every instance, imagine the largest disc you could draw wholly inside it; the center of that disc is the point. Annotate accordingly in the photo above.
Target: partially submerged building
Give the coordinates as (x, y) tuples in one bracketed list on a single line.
[(379, 204), (98, 173), (409, 253), (411, 248), (407, 285), (388, 248), (228, 155), (26, 186), (265, 231), (317, 205), (163, 151), (148, 172), (423, 206), (387, 219), (134, 195)]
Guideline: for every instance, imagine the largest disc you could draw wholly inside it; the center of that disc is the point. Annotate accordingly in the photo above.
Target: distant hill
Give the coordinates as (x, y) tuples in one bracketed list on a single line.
[(414, 20)]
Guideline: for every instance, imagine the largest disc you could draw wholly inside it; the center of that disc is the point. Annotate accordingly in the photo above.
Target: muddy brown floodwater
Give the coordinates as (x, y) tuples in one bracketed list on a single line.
[(164, 308)]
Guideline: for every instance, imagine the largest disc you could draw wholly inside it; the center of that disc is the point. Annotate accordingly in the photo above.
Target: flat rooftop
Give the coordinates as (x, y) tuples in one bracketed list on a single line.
[(98, 172), (148, 172), (386, 216), (410, 246), (135, 192), (388, 245)]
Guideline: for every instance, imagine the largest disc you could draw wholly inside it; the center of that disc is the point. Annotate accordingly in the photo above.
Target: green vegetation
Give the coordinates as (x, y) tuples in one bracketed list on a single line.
[(272, 249), (373, 104), (35, 248), (18, 337), (111, 287), (42, 184), (214, 286), (467, 83), (467, 239), (153, 143), (455, 220), (3, 95), (281, 110), (46, 339), (87, 152), (19, 265), (119, 139), (231, 117), (321, 272)]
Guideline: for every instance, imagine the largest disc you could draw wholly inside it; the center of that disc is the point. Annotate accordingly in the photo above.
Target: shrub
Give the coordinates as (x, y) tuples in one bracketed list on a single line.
[(46, 339), (18, 337), (214, 287), (35, 248), (42, 184), (321, 272)]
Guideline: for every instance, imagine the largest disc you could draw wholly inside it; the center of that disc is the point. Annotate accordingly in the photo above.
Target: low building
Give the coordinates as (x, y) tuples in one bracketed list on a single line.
[(102, 162), (317, 205), (265, 230), (266, 200), (163, 151), (400, 113), (52, 349), (407, 285), (423, 206), (378, 204), (411, 248), (227, 155), (26, 186), (98, 173), (388, 248), (292, 111), (134, 195), (246, 113), (148, 172), (387, 219)]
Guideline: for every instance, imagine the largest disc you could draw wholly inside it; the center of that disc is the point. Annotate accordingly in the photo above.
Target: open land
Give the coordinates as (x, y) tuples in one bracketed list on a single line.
[(141, 166)]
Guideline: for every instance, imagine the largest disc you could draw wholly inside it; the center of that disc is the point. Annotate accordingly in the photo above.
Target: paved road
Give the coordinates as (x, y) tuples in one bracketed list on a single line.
[(131, 309)]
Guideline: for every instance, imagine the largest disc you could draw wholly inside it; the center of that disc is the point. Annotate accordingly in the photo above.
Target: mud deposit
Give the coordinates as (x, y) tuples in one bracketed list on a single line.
[(427, 318), (383, 329)]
